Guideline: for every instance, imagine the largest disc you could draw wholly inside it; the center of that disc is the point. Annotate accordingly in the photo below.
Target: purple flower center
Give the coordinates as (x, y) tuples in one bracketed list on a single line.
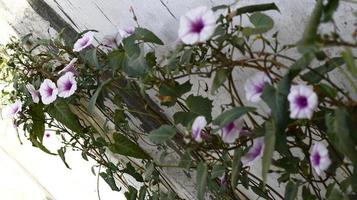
[(229, 127), (68, 85), (47, 135), (301, 101), (84, 41), (316, 159), (259, 88), (197, 26), (49, 91)]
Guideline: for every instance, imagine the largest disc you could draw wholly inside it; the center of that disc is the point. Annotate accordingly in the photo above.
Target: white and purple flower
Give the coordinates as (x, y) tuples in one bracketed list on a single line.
[(255, 152), (112, 41), (303, 101), (319, 158), (254, 86), (232, 130), (67, 85), (48, 91), (70, 67), (126, 32), (12, 110), (83, 42), (197, 25), (197, 127), (35, 94)]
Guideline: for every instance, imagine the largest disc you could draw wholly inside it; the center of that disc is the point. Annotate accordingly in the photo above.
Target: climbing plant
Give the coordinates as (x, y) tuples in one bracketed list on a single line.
[(290, 119)]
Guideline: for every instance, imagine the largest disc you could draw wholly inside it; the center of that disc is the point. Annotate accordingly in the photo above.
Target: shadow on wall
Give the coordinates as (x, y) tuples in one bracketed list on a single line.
[(27, 172)]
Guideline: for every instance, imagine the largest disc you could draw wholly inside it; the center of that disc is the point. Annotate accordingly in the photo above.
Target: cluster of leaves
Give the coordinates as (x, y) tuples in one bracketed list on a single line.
[(124, 75)]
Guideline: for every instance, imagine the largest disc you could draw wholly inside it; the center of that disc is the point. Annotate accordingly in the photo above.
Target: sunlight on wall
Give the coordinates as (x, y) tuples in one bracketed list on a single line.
[(28, 173)]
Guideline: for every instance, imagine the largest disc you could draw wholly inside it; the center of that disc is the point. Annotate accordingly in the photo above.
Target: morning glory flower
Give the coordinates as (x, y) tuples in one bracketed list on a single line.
[(231, 131), (254, 86), (319, 158), (35, 94), (70, 67), (255, 152), (12, 110), (126, 32), (48, 91), (67, 85), (303, 102), (83, 42), (197, 126), (197, 25), (112, 41)]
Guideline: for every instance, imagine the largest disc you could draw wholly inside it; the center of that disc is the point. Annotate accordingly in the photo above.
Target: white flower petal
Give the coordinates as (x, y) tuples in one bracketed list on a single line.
[(35, 95), (197, 126), (67, 85), (254, 86), (83, 42), (302, 102), (48, 91), (255, 152), (197, 25)]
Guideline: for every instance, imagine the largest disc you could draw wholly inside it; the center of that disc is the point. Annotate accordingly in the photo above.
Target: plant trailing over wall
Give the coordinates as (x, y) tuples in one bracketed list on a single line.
[(289, 115)]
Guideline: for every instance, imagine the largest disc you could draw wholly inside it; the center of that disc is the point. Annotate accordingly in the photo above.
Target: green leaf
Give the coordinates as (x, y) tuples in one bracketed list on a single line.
[(231, 115), (337, 195), (132, 49), (135, 66), (184, 118), (217, 171), (61, 153), (340, 131), (131, 193), (186, 56), (186, 160), (62, 113), (109, 179), (269, 141), (316, 75), (175, 89), (291, 191), (200, 105), (310, 32), (201, 180), (124, 146), (236, 166), (147, 36), (329, 9), (350, 61), (38, 118), (259, 191), (262, 23), (93, 99), (142, 192), (132, 172), (290, 164), (306, 194), (115, 59), (162, 134), (255, 8), (90, 57), (219, 79)]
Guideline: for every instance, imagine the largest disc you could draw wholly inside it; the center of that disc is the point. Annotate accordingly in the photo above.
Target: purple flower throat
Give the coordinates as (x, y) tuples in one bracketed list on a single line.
[(197, 26), (229, 127), (301, 101), (49, 91), (84, 41), (316, 159), (68, 85)]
